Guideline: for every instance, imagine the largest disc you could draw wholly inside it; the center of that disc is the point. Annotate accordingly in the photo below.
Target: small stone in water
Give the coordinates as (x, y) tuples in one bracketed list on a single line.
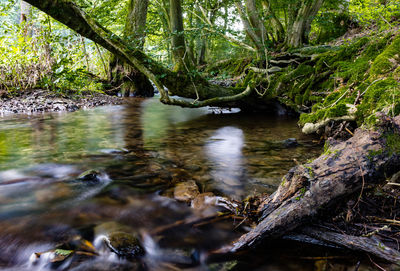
[(290, 142), (124, 244), (186, 191), (89, 175)]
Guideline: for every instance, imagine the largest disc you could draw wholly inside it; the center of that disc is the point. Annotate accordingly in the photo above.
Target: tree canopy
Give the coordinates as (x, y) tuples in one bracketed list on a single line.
[(169, 42)]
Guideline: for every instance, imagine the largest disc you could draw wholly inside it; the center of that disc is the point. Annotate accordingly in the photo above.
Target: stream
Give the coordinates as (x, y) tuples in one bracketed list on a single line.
[(140, 152)]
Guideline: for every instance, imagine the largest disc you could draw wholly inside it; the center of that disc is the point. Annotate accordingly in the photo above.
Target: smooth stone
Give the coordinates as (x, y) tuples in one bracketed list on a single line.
[(290, 142), (186, 191), (124, 244), (89, 175)]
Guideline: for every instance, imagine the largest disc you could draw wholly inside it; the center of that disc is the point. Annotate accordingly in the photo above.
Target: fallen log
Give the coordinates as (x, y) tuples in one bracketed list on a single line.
[(344, 169)]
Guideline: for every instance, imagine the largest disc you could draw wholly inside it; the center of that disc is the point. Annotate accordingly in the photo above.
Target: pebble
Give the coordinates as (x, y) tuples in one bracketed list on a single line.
[(124, 244), (186, 191)]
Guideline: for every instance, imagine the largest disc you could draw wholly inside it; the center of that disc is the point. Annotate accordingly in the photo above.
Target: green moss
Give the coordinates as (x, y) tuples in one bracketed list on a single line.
[(63, 252), (392, 143), (302, 193), (396, 74), (298, 99), (321, 113), (380, 96), (388, 59), (284, 180), (336, 111), (350, 69), (228, 68), (311, 50)]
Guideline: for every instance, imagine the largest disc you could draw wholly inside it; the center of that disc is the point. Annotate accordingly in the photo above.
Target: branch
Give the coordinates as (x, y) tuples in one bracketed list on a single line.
[(208, 102), (231, 39)]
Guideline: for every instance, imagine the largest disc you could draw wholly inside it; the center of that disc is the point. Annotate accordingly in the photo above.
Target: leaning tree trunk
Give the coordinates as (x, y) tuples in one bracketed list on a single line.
[(276, 25), (122, 75), (177, 83), (256, 22)]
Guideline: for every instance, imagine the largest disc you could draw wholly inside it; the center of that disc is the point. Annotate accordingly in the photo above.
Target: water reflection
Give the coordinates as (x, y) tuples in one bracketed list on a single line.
[(224, 149)]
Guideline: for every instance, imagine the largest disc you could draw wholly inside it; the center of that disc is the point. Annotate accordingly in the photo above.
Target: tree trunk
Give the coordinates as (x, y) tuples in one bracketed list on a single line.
[(179, 54), (256, 23), (123, 76), (251, 34), (276, 25), (300, 18), (26, 18)]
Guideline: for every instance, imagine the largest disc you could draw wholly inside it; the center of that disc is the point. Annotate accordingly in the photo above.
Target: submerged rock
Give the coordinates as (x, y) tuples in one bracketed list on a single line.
[(124, 244), (90, 175), (203, 201), (290, 143), (186, 191)]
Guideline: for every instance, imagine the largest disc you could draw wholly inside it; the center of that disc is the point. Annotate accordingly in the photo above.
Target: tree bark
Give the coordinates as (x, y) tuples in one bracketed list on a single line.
[(300, 18), (370, 245), (179, 54), (251, 34), (276, 25), (256, 23), (26, 18), (123, 76)]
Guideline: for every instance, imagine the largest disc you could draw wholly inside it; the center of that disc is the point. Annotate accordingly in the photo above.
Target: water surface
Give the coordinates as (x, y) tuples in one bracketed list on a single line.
[(141, 150)]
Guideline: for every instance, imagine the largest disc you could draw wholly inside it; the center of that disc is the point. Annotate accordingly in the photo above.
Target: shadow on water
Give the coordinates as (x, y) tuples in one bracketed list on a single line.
[(139, 153)]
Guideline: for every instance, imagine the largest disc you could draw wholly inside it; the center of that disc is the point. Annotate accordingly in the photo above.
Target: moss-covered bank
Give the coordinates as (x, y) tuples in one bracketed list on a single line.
[(365, 75), (357, 79)]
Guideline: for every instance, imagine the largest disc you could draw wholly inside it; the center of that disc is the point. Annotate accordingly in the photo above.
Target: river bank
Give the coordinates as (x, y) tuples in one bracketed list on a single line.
[(39, 100)]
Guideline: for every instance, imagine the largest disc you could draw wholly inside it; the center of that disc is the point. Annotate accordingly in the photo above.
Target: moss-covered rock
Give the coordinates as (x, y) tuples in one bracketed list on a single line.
[(124, 244)]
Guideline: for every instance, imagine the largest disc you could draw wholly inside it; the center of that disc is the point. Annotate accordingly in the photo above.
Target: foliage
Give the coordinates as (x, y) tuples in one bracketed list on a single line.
[(42, 53), (375, 12)]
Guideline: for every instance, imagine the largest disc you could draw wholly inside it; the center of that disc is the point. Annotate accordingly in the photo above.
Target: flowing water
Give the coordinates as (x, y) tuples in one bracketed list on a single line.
[(140, 152)]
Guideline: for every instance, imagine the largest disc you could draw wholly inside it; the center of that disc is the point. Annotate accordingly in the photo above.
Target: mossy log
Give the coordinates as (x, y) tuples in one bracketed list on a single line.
[(345, 169)]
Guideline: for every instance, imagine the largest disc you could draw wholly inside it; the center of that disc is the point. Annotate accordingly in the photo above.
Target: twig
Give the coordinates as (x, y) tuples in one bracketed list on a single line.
[(363, 181), (380, 267), (371, 85), (391, 221), (384, 228), (350, 132)]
